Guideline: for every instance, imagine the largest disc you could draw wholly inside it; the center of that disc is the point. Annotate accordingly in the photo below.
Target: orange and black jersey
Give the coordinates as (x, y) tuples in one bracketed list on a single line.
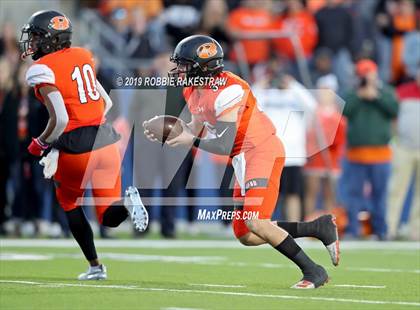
[(72, 72), (208, 104)]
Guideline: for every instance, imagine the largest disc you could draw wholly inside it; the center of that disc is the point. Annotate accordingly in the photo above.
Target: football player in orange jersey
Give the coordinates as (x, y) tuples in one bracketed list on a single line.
[(83, 146), (237, 127)]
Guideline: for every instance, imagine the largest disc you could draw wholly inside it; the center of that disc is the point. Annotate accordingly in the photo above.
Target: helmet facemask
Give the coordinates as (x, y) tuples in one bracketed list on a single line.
[(190, 69), (38, 43), (183, 69), (30, 43)]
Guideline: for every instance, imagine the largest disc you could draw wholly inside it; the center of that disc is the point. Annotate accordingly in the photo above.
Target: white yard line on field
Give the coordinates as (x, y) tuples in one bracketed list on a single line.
[(24, 257), (200, 260), (57, 285), (178, 308), (360, 286), (362, 269), (371, 269), (200, 244), (243, 294), (214, 285), (125, 257), (20, 282)]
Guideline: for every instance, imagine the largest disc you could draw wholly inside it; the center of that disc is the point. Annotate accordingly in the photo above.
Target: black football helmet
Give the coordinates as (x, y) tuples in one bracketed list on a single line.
[(197, 55), (45, 32)]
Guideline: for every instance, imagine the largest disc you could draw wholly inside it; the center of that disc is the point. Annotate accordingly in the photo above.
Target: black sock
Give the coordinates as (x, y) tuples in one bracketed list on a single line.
[(299, 229), (82, 232), (289, 248), (115, 214), (290, 227)]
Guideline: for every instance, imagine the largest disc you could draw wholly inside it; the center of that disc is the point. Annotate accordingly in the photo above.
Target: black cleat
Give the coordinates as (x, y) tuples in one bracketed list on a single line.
[(327, 232), (312, 279)]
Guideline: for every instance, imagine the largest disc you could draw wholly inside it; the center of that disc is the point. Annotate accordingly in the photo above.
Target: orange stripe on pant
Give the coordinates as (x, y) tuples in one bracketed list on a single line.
[(100, 168)]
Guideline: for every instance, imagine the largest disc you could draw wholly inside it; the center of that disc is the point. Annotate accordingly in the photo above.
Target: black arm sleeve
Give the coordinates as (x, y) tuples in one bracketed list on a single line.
[(223, 144)]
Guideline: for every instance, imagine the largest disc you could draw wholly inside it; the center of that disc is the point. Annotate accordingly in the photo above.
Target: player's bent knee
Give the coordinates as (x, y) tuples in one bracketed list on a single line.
[(113, 216), (246, 240), (255, 225)]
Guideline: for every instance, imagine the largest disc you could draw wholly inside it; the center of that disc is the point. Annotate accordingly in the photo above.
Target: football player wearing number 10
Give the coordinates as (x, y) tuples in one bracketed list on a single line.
[(64, 80)]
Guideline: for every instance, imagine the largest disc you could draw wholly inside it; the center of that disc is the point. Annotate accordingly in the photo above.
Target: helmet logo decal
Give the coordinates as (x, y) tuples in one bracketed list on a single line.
[(207, 50), (59, 23)]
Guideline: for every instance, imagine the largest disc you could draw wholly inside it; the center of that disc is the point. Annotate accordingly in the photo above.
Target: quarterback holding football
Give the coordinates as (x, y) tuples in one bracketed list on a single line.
[(235, 126)]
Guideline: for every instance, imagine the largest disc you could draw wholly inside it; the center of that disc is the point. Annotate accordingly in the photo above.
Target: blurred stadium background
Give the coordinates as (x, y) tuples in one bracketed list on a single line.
[(271, 44)]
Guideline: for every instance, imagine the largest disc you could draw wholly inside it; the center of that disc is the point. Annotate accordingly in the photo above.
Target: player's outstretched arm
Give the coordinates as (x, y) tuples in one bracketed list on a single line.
[(57, 122)]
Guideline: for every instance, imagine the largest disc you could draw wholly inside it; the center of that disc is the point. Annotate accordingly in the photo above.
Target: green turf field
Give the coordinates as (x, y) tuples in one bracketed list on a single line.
[(37, 274)]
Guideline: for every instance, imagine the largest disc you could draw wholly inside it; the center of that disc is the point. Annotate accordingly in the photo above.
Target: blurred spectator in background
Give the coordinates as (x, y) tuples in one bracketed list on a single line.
[(28, 180), (9, 94), (151, 8), (411, 52), (101, 75), (142, 38), (403, 21), (10, 113), (252, 16), (119, 19), (322, 64), (290, 107), (384, 12), (21, 116), (141, 41), (369, 110), (213, 22), (406, 159), (9, 48), (394, 18), (325, 147), (363, 28), (296, 21), (315, 5), (335, 28), (180, 18)]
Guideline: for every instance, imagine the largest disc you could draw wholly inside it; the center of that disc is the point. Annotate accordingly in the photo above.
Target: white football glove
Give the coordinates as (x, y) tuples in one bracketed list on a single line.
[(50, 163)]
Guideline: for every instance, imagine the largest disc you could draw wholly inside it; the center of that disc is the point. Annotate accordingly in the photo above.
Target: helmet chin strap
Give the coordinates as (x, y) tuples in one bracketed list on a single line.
[(26, 53)]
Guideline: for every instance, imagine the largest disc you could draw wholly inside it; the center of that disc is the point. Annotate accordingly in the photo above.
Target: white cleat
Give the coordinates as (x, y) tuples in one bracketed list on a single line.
[(94, 273), (328, 234), (312, 279), (304, 285), (135, 207), (334, 251)]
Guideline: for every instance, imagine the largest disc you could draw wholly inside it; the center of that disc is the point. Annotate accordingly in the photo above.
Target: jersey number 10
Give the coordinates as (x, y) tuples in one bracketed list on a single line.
[(88, 79)]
